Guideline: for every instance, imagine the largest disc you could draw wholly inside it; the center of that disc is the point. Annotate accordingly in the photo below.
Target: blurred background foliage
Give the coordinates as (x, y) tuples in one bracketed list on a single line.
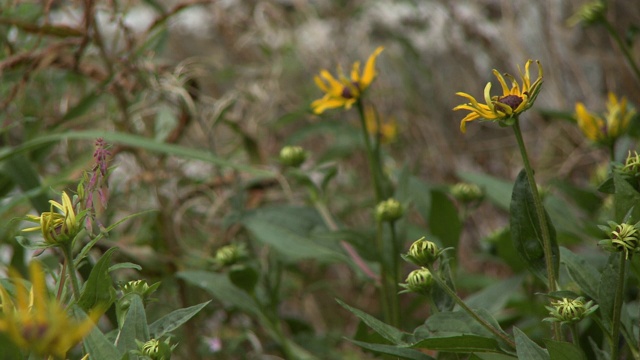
[(198, 97)]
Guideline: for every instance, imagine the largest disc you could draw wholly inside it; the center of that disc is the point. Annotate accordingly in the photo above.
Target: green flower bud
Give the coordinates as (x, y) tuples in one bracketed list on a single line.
[(567, 310), (419, 281), (466, 192), (229, 255), (139, 287), (389, 210), (622, 238), (631, 165), (589, 14), (155, 349), (423, 252), (293, 156)]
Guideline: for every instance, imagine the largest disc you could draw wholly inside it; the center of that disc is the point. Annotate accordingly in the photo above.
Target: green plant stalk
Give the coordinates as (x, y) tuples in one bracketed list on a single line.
[(71, 267), (373, 164), (573, 328), (542, 219), (394, 276), (625, 50), (470, 311), (384, 277), (617, 308)]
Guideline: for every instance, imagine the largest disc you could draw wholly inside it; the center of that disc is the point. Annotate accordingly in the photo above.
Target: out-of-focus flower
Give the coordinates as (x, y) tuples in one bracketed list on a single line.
[(466, 192), (384, 129), (389, 210), (566, 311), (37, 323), (58, 227), (589, 14), (344, 92), (608, 129), (621, 238), (293, 156), (503, 108)]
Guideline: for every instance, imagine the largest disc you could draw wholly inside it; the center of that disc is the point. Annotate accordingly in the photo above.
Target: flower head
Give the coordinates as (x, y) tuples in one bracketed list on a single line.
[(155, 349), (58, 227), (567, 310), (293, 156), (37, 323), (608, 129), (466, 192), (621, 238), (389, 210), (503, 108), (344, 92), (423, 252), (419, 281)]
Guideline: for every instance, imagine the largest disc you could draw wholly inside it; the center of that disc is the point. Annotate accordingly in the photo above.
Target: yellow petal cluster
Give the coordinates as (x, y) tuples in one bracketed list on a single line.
[(36, 323), (342, 91), (57, 226), (614, 124), (514, 100)]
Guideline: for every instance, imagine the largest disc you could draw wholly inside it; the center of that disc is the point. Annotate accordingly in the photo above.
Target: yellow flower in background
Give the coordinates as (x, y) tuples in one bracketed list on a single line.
[(388, 129), (344, 92), (614, 124), (513, 101), (37, 323), (58, 227)]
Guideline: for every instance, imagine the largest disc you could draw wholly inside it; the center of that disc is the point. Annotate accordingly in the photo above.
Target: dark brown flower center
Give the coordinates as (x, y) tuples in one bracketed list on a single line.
[(513, 101), (347, 90)]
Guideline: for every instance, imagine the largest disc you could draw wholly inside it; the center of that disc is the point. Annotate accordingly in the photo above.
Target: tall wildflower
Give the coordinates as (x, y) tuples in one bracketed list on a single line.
[(607, 129), (343, 91), (514, 100)]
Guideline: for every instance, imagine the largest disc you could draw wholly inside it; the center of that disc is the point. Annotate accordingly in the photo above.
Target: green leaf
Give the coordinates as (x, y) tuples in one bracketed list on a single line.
[(125, 265), (244, 277), (138, 142), (626, 199), (292, 231), (581, 271), (134, 327), (527, 349), (397, 352), (443, 219), (607, 288), (490, 356), (98, 290), (559, 350), (221, 288), (9, 350), (388, 332), (96, 343), (459, 322), (19, 169), (525, 230), (420, 193), (493, 298), (496, 190), (174, 320), (459, 344)]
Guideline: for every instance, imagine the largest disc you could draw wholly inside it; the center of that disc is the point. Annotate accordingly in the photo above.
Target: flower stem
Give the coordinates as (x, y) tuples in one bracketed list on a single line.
[(394, 276), (470, 311), (625, 50), (373, 164), (71, 267), (384, 278), (542, 218), (617, 307)]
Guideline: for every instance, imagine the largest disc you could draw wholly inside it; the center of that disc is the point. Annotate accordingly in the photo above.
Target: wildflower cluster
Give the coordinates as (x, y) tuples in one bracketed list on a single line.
[(605, 130)]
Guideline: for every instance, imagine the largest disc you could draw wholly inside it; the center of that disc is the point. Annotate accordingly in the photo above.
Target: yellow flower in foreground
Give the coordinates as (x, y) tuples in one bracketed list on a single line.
[(37, 323), (612, 126), (344, 92), (513, 101), (387, 131), (58, 227)]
